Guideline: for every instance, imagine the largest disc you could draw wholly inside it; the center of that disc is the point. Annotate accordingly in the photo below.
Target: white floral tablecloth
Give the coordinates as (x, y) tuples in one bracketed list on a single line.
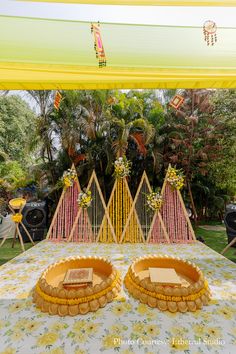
[(123, 326)]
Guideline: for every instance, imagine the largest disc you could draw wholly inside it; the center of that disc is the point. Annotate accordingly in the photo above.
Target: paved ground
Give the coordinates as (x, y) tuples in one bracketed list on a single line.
[(213, 227)]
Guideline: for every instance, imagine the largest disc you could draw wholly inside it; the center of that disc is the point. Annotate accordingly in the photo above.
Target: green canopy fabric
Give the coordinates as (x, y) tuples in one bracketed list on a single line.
[(41, 53)]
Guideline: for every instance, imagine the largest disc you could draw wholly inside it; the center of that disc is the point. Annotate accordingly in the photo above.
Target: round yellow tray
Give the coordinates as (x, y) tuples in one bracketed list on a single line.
[(190, 296), (17, 203), (50, 295)]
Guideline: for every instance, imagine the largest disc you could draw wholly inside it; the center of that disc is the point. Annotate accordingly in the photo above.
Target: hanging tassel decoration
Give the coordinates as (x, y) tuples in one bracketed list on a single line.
[(57, 100), (98, 45), (209, 31), (176, 101)]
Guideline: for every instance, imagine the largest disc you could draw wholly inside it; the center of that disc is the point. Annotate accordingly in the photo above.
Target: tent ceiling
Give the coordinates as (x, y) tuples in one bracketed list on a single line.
[(149, 2), (42, 53)]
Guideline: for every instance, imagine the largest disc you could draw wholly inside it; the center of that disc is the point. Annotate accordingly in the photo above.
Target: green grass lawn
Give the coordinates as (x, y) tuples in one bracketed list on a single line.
[(217, 240), (7, 252)]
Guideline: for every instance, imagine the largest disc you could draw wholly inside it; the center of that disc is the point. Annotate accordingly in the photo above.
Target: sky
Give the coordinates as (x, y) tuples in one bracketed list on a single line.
[(185, 16)]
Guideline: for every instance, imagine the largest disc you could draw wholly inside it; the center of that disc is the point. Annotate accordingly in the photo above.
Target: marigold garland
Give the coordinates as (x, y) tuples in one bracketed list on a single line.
[(17, 217), (76, 301), (192, 297), (175, 178)]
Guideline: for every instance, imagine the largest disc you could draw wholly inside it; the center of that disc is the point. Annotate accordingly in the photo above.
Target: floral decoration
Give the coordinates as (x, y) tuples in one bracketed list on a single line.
[(122, 167), (85, 199), (175, 178), (68, 177), (154, 201), (17, 217)]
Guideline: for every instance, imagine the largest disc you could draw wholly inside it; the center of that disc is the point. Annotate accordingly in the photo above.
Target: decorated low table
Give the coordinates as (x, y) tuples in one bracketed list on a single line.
[(191, 295), (124, 325), (50, 295)]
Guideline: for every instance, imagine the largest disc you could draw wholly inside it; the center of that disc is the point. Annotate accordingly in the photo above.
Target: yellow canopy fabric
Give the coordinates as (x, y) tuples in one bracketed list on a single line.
[(56, 77), (148, 2), (59, 54)]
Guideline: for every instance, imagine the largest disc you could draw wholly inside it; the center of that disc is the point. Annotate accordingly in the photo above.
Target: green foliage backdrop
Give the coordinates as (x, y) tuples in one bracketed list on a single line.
[(17, 122), (92, 128)]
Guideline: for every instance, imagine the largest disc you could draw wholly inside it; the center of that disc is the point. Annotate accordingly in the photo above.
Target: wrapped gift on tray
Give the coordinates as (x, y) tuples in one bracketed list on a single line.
[(78, 278)]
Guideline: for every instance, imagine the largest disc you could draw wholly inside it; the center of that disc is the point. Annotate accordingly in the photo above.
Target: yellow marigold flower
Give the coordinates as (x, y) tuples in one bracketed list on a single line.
[(23, 295), (84, 199), (2, 324), (175, 178), (120, 298), (226, 312), (67, 182), (206, 316), (119, 309), (79, 326), (111, 341), (122, 167), (138, 327), (178, 331), (213, 332), (92, 328), (80, 351), (142, 309), (152, 330), (17, 217), (81, 337), (17, 335), (48, 338), (127, 306), (21, 324), (213, 302), (32, 325), (179, 343), (56, 351), (199, 330), (9, 351), (117, 328), (16, 307), (58, 326)]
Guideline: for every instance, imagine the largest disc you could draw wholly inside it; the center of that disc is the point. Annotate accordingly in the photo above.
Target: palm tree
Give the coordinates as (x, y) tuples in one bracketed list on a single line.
[(44, 134), (67, 124), (138, 130), (80, 120)]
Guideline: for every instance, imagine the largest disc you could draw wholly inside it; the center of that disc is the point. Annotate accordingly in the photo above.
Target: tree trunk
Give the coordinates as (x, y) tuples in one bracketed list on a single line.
[(192, 202), (50, 159)]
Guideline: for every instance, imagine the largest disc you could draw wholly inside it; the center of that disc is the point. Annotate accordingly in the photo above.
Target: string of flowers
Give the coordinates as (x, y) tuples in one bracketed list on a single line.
[(84, 199), (154, 201), (17, 218), (122, 167), (68, 177), (175, 178)]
